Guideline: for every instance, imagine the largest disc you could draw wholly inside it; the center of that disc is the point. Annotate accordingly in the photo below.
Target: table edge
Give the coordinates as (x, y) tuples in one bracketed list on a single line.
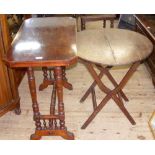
[(15, 64)]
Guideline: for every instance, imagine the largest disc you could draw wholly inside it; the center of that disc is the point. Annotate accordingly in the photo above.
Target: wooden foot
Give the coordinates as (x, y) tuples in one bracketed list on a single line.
[(17, 111), (67, 85), (67, 135), (126, 113), (153, 81), (96, 111), (63, 133), (35, 137), (45, 84)]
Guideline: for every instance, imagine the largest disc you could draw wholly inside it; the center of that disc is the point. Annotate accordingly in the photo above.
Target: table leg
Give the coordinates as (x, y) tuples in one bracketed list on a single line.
[(112, 23), (47, 81), (58, 74), (36, 116), (102, 72), (104, 23), (65, 82), (111, 93), (17, 110), (83, 25), (94, 98), (53, 122), (52, 128)]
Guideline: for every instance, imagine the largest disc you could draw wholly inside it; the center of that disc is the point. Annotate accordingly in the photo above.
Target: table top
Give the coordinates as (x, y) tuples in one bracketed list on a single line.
[(113, 46), (49, 41)]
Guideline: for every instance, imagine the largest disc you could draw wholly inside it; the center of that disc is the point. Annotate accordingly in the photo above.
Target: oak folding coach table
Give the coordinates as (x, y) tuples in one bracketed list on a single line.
[(103, 49), (46, 42)]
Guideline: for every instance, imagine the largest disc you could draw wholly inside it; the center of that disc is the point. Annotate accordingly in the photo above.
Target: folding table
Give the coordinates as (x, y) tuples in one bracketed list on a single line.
[(104, 49)]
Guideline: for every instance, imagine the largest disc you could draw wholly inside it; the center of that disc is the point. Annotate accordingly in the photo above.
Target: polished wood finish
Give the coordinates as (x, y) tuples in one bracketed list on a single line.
[(113, 47), (76, 16), (93, 85), (47, 43), (32, 86), (50, 126), (96, 17), (114, 94), (9, 96), (110, 123), (49, 80), (145, 24)]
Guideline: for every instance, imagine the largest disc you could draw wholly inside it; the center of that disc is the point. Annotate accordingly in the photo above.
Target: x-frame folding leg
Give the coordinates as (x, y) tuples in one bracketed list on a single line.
[(102, 72), (110, 93)]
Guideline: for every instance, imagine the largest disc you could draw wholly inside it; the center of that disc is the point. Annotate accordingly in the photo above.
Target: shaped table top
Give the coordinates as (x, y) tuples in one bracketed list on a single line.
[(113, 46), (49, 41)]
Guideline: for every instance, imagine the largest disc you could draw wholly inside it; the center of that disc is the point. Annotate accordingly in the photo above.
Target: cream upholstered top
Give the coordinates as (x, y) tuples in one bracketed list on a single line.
[(113, 46)]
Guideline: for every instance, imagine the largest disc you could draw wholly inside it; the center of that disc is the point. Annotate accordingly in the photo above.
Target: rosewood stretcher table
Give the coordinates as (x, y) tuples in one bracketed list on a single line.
[(46, 42)]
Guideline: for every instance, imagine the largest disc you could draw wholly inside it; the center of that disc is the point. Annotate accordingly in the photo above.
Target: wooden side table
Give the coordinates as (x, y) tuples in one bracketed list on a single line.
[(97, 17), (104, 49), (46, 42)]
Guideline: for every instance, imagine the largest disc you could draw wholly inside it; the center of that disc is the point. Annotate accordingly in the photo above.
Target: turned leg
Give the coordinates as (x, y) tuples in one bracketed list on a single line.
[(104, 23), (17, 110), (153, 79), (59, 89), (77, 25), (53, 122), (53, 100), (65, 82), (83, 27), (45, 74), (46, 80), (112, 23), (35, 106), (50, 81)]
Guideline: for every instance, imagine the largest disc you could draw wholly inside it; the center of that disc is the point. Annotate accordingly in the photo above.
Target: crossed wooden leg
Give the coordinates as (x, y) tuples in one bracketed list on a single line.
[(102, 72), (116, 94)]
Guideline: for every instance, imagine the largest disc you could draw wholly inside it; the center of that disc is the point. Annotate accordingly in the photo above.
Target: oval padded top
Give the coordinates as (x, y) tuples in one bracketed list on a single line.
[(113, 46)]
